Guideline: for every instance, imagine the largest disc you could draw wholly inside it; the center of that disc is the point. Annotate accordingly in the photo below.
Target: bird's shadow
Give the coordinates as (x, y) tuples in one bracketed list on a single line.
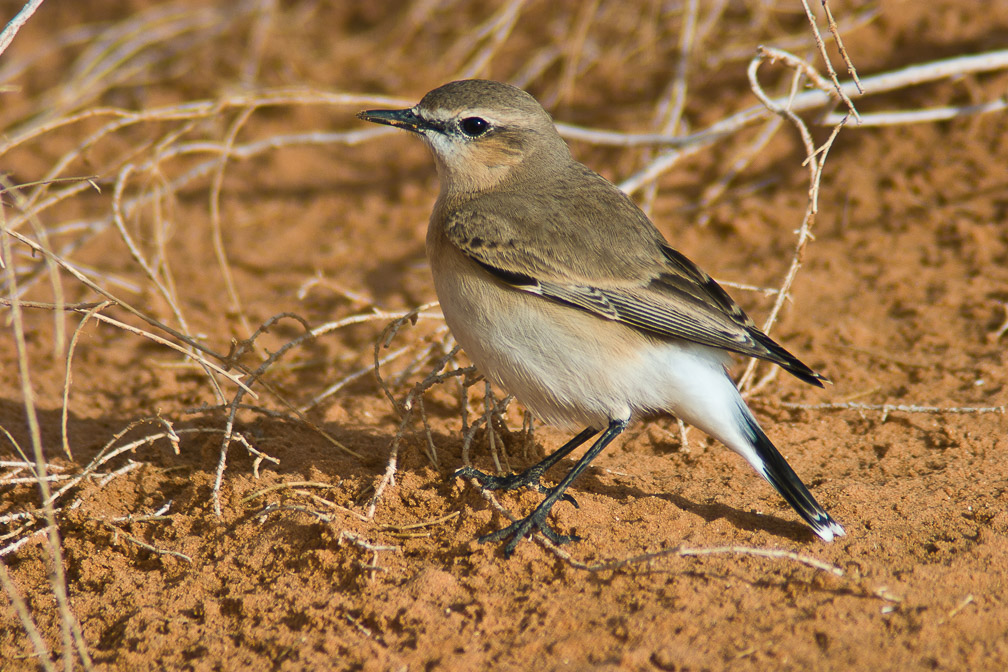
[(742, 520), (745, 520)]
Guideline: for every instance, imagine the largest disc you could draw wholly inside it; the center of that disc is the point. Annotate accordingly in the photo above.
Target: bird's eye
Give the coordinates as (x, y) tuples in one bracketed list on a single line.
[(474, 126)]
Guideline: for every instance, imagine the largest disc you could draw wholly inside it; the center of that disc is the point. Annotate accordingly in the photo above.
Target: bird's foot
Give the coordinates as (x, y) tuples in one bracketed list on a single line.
[(526, 527), (530, 478)]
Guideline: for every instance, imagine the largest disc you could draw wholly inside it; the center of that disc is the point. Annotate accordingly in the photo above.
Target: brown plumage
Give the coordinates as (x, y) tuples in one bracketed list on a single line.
[(562, 291)]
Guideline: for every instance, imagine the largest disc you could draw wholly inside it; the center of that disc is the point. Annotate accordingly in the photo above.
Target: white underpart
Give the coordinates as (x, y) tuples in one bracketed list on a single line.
[(576, 370)]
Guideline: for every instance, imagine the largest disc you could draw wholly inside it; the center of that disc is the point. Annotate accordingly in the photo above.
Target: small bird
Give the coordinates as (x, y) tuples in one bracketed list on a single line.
[(562, 291)]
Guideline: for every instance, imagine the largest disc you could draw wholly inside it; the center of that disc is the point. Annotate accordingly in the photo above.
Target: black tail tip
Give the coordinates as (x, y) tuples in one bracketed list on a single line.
[(775, 469)]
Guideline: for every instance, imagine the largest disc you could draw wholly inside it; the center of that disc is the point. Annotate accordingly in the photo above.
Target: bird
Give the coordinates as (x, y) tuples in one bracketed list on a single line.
[(563, 292)]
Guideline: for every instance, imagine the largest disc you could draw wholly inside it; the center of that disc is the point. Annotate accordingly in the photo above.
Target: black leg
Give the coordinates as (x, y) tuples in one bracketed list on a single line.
[(537, 519), (531, 476)]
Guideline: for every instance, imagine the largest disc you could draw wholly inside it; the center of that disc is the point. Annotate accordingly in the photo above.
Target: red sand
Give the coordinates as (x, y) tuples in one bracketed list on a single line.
[(899, 301)]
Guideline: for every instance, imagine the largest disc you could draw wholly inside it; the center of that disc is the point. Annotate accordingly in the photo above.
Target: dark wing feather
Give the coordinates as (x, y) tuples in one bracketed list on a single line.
[(687, 304), (673, 298)]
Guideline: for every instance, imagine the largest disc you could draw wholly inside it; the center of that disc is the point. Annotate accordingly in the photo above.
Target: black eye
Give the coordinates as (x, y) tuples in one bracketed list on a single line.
[(474, 126)]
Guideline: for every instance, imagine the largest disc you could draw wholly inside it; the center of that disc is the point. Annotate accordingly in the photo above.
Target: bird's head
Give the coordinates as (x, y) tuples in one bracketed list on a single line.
[(482, 133)]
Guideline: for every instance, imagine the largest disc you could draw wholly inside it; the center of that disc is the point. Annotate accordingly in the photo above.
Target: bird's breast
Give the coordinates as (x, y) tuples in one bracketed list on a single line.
[(571, 368)]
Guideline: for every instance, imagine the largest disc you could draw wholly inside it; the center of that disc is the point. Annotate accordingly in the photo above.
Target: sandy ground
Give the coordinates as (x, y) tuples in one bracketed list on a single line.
[(901, 299)]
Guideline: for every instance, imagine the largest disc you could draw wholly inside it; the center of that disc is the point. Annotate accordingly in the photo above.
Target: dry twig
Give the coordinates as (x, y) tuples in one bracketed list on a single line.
[(686, 552), (116, 531), (19, 20), (826, 59), (815, 160), (73, 640), (886, 409), (412, 401), (21, 609)]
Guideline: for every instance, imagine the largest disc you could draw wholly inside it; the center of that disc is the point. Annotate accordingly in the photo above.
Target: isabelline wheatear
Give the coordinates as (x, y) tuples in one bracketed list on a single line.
[(564, 293)]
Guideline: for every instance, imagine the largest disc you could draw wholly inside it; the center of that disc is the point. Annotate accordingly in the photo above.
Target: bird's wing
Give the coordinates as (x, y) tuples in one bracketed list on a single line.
[(663, 294)]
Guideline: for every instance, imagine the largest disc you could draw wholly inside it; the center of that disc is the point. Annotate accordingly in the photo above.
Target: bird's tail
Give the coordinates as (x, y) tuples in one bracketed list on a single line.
[(775, 469)]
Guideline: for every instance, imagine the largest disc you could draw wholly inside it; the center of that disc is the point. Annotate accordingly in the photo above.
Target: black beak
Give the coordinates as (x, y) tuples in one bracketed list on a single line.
[(398, 118)]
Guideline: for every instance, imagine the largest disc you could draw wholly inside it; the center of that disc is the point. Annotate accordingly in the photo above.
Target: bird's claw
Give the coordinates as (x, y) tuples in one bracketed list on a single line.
[(525, 527)]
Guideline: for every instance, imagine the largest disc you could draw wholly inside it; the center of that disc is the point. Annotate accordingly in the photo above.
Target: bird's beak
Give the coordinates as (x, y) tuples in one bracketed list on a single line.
[(399, 118)]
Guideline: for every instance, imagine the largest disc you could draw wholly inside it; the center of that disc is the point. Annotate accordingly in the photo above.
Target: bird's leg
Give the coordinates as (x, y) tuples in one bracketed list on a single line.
[(531, 476), (537, 519)]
